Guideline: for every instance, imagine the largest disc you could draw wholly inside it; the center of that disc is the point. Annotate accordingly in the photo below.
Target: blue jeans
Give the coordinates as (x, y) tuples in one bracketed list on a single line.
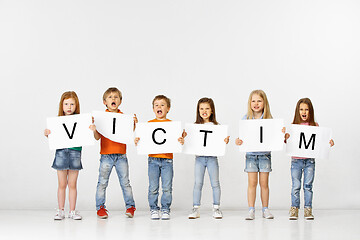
[(298, 166), (160, 168), (107, 162), (201, 162)]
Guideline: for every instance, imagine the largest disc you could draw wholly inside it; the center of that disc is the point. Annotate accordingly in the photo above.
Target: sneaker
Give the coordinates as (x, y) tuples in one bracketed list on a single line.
[(251, 215), (165, 215), (267, 214), (59, 215), (102, 213), (308, 214), (195, 213), (154, 215), (74, 215), (294, 213), (130, 212), (217, 214)]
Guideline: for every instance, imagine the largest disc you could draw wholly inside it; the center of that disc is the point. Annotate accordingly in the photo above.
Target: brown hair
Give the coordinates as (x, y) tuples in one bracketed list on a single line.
[(212, 118), (297, 117), (266, 111), (159, 97), (111, 90), (67, 95)]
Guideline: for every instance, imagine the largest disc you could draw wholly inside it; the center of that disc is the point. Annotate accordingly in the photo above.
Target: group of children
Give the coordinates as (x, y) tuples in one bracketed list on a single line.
[(67, 162)]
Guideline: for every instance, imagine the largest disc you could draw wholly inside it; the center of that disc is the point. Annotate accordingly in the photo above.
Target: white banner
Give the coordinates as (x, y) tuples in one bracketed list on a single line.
[(158, 137), (114, 126), (70, 131), (308, 141), (205, 139), (260, 135)]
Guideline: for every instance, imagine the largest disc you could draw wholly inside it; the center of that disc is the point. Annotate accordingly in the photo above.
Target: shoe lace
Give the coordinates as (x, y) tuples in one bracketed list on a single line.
[(292, 211), (217, 211)]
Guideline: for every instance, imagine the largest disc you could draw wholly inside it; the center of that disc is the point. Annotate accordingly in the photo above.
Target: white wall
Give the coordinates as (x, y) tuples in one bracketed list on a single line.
[(185, 50)]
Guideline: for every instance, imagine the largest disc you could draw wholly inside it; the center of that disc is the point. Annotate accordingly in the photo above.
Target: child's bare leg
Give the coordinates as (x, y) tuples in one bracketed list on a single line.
[(264, 186), (62, 182), (252, 183), (72, 182)]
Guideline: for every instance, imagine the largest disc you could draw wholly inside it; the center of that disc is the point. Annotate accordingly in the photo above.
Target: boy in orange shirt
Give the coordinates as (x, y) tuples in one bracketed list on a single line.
[(160, 166), (113, 154)]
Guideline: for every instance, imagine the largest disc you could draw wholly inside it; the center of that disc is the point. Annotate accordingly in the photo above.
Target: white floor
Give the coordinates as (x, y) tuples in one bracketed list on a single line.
[(328, 224)]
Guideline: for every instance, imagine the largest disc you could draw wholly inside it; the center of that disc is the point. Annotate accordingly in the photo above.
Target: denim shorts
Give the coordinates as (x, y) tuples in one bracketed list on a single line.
[(67, 159), (258, 163)]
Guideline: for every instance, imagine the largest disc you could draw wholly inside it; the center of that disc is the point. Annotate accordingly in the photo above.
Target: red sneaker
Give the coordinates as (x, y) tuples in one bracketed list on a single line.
[(130, 212), (102, 212)]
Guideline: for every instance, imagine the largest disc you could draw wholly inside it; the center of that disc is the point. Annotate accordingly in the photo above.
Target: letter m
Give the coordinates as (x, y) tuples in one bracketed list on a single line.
[(312, 139)]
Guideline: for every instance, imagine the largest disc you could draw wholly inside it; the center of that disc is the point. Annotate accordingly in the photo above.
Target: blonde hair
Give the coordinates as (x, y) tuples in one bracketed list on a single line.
[(160, 97), (67, 95), (266, 110), (111, 90)]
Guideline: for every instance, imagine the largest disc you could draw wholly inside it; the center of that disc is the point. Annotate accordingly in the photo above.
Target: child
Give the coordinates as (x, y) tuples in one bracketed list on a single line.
[(160, 166), (113, 154), (67, 161), (258, 162), (304, 115), (206, 115)]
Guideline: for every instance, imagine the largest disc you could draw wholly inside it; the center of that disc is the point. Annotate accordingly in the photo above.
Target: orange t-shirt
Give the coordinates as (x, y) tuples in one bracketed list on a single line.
[(161, 155), (110, 147)]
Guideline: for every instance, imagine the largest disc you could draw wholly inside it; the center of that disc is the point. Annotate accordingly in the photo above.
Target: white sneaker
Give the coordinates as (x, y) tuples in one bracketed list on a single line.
[(165, 215), (59, 215), (217, 214), (154, 215), (251, 215), (267, 214), (195, 213), (74, 215)]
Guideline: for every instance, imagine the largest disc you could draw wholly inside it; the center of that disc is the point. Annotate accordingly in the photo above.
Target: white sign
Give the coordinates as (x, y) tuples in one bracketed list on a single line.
[(114, 126), (259, 135), (205, 139), (70, 131), (158, 137), (308, 141)]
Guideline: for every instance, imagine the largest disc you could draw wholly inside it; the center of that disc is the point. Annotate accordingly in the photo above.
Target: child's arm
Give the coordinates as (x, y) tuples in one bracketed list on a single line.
[(238, 141), (226, 140), (47, 132), (135, 121), (92, 127)]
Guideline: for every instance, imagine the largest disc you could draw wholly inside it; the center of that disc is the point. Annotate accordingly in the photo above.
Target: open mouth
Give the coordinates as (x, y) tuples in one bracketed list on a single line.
[(113, 104), (159, 112), (303, 116)]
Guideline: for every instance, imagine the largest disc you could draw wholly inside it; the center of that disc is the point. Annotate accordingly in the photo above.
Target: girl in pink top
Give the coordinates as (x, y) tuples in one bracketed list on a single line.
[(304, 115)]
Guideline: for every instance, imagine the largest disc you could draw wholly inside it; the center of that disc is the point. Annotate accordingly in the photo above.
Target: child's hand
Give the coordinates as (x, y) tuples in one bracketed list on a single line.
[(135, 121), (184, 134), (238, 141), (331, 142), (92, 127), (136, 140), (226, 140), (286, 137), (283, 130), (181, 140), (47, 132)]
